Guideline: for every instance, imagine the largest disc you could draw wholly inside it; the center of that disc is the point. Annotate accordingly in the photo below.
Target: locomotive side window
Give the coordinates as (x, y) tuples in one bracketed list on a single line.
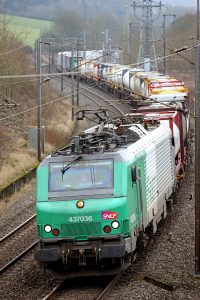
[(83, 175), (133, 175)]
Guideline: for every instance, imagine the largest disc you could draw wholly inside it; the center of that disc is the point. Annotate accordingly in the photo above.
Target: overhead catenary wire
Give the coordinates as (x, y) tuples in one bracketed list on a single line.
[(35, 99), (45, 104), (116, 98), (17, 82), (78, 72), (55, 100), (18, 48), (58, 74), (120, 101), (59, 99), (9, 138), (14, 129), (24, 133)]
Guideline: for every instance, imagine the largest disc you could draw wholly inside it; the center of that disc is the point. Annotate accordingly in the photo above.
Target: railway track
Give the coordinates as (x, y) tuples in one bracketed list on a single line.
[(140, 279), (90, 96), (110, 286), (18, 257), (138, 286), (117, 107), (11, 247), (17, 229), (108, 102), (52, 294), (55, 293)]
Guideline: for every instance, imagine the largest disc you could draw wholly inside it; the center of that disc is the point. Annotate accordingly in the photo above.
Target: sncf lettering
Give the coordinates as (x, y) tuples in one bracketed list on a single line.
[(109, 215)]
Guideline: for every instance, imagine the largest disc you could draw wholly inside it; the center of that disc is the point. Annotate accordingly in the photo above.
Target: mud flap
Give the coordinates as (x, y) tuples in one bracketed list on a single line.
[(112, 251), (47, 255)]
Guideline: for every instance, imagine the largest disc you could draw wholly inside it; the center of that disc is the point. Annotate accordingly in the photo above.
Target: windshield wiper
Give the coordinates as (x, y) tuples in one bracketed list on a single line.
[(67, 167)]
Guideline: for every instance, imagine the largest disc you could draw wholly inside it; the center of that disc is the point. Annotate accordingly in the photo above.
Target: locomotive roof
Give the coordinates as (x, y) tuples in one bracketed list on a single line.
[(113, 136), (111, 139)]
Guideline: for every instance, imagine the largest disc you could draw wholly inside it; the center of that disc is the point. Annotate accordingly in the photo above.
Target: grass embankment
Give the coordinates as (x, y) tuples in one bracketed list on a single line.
[(7, 202), (18, 158), (28, 30), (18, 164)]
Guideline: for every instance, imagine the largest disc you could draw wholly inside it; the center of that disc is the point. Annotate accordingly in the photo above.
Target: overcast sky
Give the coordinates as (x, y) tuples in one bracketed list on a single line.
[(186, 3)]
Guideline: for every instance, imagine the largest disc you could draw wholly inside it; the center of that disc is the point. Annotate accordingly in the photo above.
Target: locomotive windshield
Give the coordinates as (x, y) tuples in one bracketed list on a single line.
[(83, 175)]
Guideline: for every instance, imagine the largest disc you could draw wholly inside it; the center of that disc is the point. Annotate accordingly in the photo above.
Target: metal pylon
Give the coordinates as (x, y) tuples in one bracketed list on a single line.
[(145, 11)]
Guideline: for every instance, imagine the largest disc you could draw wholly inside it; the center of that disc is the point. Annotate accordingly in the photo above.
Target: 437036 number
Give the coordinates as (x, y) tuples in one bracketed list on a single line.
[(80, 219)]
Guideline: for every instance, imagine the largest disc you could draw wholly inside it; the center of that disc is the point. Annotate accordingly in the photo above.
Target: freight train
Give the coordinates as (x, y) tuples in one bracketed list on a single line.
[(126, 81), (101, 197), (69, 60)]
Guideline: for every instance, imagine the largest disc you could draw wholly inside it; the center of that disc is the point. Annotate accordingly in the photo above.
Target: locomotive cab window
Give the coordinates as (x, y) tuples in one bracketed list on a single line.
[(80, 176)]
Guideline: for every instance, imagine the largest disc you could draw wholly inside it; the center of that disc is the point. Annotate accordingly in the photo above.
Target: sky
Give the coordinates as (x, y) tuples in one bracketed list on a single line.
[(186, 3)]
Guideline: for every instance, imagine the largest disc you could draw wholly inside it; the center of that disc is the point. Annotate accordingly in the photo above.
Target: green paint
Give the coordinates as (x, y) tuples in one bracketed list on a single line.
[(42, 184), (27, 29), (129, 201), (120, 180), (65, 216)]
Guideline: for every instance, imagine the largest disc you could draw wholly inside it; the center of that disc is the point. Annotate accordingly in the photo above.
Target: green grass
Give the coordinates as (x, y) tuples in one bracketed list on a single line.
[(27, 29)]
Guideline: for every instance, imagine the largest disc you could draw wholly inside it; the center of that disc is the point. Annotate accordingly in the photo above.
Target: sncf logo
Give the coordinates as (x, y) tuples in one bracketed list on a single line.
[(109, 215)]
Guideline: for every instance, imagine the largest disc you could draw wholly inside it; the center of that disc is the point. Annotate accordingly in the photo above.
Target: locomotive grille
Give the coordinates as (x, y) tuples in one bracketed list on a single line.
[(80, 229)]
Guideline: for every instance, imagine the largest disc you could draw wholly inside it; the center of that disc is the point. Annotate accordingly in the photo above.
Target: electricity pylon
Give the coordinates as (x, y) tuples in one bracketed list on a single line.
[(147, 11)]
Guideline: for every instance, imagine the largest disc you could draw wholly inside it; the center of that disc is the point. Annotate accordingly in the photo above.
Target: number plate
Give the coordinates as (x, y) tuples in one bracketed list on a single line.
[(80, 219)]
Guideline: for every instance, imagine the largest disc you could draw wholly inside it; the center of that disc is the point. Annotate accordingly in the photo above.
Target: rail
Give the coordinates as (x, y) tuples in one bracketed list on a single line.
[(17, 258), (110, 286), (17, 228), (55, 289)]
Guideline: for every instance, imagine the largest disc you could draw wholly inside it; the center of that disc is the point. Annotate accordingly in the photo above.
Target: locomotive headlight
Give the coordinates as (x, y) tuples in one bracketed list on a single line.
[(115, 224), (80, 204), (47, 228)]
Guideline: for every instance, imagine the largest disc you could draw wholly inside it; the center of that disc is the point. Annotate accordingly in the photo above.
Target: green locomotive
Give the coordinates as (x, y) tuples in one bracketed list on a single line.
[(98, 198)]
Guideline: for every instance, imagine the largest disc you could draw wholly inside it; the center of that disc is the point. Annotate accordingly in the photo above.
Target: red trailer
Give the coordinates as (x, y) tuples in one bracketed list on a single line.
[(177, 120)]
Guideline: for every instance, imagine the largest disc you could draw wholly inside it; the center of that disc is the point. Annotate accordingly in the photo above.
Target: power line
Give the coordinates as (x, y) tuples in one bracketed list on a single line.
[(70, 73), (2, 140), (170, 55), (37, 75), (45, 104), (59, 99), (17, 82), (14, 129), (16, 49)]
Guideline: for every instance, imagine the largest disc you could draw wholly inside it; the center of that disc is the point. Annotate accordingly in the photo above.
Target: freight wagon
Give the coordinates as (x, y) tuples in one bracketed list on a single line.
[(125, 80), (136, 83)]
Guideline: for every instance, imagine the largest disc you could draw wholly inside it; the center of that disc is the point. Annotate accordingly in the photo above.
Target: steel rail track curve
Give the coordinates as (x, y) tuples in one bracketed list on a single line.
[(103, 294), (17, 258), (55, 289), (106, 100), (17, 228), (109, 287), (88, 90)]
